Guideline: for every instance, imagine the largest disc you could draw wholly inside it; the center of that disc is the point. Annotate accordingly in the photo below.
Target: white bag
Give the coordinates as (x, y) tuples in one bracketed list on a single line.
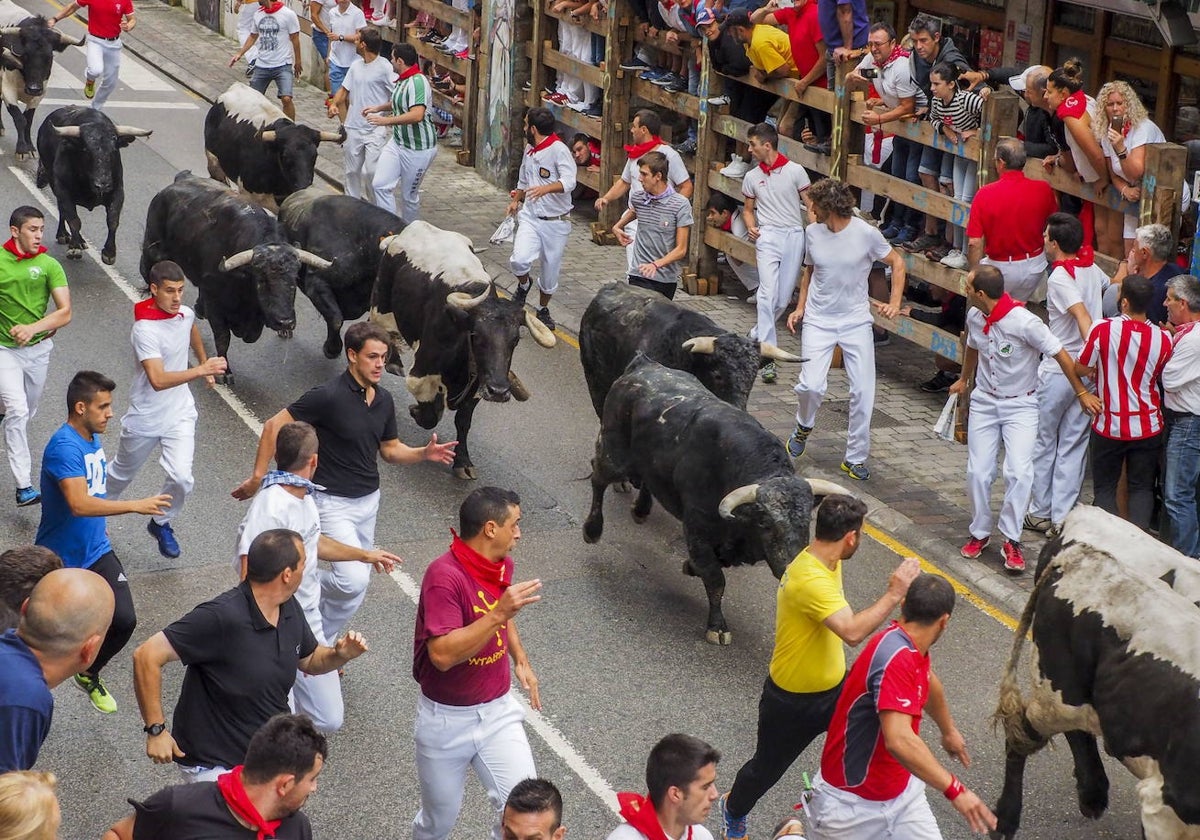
[(506, 230), (944, 427)]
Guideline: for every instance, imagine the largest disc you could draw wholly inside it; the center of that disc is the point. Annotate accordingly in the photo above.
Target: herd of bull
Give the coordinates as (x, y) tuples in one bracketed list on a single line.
[(1114, 616)]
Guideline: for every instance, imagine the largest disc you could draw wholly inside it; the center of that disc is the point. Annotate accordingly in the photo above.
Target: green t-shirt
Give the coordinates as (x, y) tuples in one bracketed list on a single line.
[(25, 287)]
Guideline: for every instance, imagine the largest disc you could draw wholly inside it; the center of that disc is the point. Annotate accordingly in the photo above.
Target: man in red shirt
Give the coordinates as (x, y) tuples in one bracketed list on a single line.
[(875, 767), (808, 51), (466, 714), (107, 19)]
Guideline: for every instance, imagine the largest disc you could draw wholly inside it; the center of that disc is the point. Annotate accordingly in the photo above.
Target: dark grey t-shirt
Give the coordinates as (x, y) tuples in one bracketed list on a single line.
[(657, 221)]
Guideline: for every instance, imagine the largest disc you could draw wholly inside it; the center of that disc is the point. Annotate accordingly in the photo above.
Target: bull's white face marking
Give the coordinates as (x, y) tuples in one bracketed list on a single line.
[(425, 388), (438, 251), (1154, 559), (1158, 819), (244, 103)]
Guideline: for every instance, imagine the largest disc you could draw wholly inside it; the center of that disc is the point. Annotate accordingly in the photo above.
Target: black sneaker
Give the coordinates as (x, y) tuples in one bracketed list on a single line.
[(596, 109), (543, 315), (634, 63), (522, 292), (941, 381)]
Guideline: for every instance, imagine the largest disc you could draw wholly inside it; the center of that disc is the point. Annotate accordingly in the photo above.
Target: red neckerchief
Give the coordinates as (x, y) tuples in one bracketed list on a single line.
[(636, 150), (272, 8), (11, 247), (410, 72), (1081, 260), (487, 574), (728, 226), (1074, 105), (1182, 329), (231, 787), (1003, 306), (639, 812), (780, 161), (551, 138), (147, 310), (897, 52)]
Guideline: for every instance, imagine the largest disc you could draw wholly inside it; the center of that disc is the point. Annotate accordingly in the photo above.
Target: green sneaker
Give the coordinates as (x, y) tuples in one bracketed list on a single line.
[(89, 88), (96, 692)]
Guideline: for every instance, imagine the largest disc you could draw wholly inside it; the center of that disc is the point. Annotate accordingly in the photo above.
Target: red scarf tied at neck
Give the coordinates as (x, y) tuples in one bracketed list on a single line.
[(231, 787), (410, 72), (488, 574), (147, 310), (11, 247), (1003, 306), (636, 150), (638, 811), (550, 140), (272, 8), (780, 161), (1085, 258), (897, 52)]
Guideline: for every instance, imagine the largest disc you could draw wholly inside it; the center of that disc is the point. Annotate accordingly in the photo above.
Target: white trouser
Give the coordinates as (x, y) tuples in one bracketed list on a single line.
[(1023, 279), (1061, 448), (490, 737), (858, 354), (778, 253), (178, 450), (103, 65), (746, 272), (576, 42), (992, 420), (320, 697), (405, 167), (539, 239), (630, 264), (877, 148), (344, 585), (191, 775), (22, 378), (459, 38), (835, 814), (361, 152)]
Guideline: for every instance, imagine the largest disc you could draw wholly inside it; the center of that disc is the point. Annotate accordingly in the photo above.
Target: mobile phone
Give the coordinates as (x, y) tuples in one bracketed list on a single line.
[(964, 83), (785, 4), (869, 73), (1116, 123)]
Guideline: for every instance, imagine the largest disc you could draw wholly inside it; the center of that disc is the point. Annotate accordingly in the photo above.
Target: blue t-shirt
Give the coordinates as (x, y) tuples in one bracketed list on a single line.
[(79, 540), (26, 705), (828, 20)]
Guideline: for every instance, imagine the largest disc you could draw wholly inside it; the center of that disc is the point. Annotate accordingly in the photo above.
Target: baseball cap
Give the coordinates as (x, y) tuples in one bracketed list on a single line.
[(705, 16), (1017, 83)]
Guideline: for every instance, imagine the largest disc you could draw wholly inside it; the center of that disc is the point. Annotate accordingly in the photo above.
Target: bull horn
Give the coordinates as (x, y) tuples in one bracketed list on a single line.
[(821, 487), (238, 260), (704, 345), (464, 301), (10, 30), (267, 136), (540, 332), (67, 39), (133, 131), (769, 351), (66, 130), (736, 498), (386, 242), (12, 59), (312, 260), (331, 136)]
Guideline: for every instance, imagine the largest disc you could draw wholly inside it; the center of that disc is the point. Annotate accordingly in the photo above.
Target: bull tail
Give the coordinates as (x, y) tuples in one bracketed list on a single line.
[(1010, 711)]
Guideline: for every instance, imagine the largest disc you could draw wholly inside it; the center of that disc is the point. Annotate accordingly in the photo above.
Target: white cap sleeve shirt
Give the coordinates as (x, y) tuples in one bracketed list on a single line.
[(546, 166), (152, 412), (776, 195), (1063, 292), (676, 171), (1141, 134), (837, 291), (1010, 351), (367, 84)]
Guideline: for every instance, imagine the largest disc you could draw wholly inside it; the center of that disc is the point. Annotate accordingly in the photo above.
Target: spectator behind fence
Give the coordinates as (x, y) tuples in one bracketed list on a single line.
[(770, 54), (1035, 120), (1123, 128), (20, 570), (29, 806), (844, 25), (808, 54), (751, 104), (723, 213), (1153, 256), (957, 114), (1181, 382)]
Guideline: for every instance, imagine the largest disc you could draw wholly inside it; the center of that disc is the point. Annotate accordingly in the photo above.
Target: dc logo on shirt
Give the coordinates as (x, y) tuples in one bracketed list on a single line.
[(97, 482)]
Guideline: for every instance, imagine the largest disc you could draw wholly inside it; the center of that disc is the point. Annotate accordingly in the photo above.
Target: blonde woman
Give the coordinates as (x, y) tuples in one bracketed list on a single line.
[(28, 806), (1123, 129)]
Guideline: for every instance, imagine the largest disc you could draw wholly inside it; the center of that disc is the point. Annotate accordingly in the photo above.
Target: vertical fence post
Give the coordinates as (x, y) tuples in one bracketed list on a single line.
[(618, 47), (702, 259), (848, 135), (500, 140), (1000, 113), (1162, 185)]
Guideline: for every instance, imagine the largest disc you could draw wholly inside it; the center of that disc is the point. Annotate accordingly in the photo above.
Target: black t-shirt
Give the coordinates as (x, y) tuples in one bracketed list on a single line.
[(1156, 309), (198, 812), (240, 669), (349, 431)]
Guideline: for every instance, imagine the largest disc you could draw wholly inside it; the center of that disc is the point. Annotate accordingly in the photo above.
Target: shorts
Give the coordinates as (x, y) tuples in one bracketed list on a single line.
[(336, 74), (931, 161), (283, 77)]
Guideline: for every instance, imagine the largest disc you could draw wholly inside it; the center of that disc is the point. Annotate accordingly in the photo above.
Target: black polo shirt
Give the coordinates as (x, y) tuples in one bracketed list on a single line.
[(349, 431), (198, 812), (240, 669)]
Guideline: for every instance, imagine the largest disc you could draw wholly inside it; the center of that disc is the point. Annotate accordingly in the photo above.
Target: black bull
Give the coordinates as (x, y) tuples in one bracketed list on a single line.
[(27, 47)]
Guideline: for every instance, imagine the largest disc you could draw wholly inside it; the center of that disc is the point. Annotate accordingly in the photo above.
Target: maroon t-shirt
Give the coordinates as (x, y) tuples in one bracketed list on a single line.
[(450, 599)]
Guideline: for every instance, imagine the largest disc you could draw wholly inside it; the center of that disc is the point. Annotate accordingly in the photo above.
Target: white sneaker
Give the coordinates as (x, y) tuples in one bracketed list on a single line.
[(955, 259), (718, 100), (736, 168)]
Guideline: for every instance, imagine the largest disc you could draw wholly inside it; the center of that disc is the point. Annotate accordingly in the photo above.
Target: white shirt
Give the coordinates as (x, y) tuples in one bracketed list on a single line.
[(1063, 292), (776, 195), (154, 412), (1181, 374), (1082, 164), (326, 7), (546, 166), (676, 171), (746, 272), (343, 53), (367, 84), (627, 832), (837, 291), (275, 507), (894, 82), (1010, 351), (274, 37), (1141, 134)]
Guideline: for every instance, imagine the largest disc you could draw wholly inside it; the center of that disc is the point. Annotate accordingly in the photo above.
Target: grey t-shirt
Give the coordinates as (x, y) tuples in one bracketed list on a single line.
[(658, 219)]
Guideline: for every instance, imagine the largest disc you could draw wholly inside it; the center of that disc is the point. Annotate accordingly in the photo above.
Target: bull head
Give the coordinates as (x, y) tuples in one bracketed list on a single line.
[(706, 345), (465, 303), (748, 493)]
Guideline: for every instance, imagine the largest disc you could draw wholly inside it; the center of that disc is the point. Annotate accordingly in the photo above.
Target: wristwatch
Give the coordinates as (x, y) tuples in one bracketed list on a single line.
[(155, 729)]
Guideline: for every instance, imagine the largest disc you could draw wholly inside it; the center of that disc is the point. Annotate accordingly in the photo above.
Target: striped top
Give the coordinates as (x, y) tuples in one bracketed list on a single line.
[(964, 112), (406, 95), (1129, 357)]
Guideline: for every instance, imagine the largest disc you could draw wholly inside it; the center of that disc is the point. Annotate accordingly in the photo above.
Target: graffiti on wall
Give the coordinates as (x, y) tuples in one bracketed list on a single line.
[(495, 159)]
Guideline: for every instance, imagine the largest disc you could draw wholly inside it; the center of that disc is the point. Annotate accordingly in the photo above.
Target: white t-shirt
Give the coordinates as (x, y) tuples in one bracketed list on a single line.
[(552, 164), (367, 84), (274, 36), (326, 6), (154, 412), (1010, 351), (676, 171), (894, 82), (1181, 374), (1141, 134), (627, 832), (1082, 164), (776, 194), (837, 292), (1063, 292), (275, 507), (343, 53)]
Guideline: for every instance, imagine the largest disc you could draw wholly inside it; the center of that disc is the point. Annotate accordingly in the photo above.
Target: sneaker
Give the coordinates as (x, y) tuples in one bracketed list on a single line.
[(925, 240), (906, 234), (941, 381), (96, 692), (556, 97), (974, 547), (676, 85), (687, 147), (578, 106), (1054, 532), (858, 472), (798, 440), (1014, 558), (652, 75), (634, 63), (669, 79), (955, 259), (1041, 524), (27, 496), (768, 372), (168, 546), (526, 87), (819, 148), (596, 109), (89, 88), (522, 292), (891, 231), (737, 167), (718, 100), (734, 827), (938, 251), (464, 55), (882, 338), (543, 315)]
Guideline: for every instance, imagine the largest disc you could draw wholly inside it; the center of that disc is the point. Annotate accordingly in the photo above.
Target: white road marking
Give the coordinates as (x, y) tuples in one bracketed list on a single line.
[(134, 75), (121, 103), (554, 739)]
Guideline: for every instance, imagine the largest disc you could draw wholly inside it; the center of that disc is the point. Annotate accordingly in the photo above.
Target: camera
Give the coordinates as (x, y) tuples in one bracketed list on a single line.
[(869, 73)]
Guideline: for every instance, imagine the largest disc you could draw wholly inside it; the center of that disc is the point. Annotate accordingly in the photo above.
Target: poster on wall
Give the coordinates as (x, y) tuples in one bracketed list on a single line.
[(884, 11), (1024, 43), (991, 48)]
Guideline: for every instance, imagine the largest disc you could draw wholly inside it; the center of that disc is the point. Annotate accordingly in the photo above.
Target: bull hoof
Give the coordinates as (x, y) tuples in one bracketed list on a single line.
[(332, 350), (622, 487), (466, 473), (74, 253), (719, 637), (108, 259), (224, 379), (62, 238), (593, 529), (24, 155), (638, 516), (1093, 804)]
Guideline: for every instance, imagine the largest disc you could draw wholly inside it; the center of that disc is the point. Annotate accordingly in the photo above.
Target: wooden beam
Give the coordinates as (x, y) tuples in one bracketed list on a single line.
[(937, 340), (680, 102), (575, 120), (922, 131), (458, 65), (1000, 114), (702, 258), (588, 177), (717, 182), (993, 18), (564, 63), (919, 268), (928, 201), (736, 129), (596, 27), (1066, 183), (614, 127), (814, 97), (442, 11), (726, 242), (1166, 168)]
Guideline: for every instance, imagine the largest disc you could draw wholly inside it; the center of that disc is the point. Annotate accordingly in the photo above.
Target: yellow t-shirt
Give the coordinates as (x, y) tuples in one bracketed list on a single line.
[(769, 49), (808, 656)]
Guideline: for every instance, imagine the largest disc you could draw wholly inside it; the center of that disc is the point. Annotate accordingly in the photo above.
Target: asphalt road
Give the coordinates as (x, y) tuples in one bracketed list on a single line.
[(617, 641)]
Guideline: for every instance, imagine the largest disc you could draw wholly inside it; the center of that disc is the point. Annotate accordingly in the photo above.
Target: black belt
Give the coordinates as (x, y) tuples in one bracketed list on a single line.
[(1172, 414), (102, 38), (564, 217)]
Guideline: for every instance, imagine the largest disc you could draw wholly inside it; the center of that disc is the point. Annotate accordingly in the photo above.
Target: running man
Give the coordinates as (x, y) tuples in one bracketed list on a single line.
[(107, 20)]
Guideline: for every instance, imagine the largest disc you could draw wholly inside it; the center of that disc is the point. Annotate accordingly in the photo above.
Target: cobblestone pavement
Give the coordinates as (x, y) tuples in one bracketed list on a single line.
[(917, 485)]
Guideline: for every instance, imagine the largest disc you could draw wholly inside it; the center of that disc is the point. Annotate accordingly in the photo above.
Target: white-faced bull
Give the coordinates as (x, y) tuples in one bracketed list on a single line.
[(27, 47), (444, 304), (80, 158), (710, 465)]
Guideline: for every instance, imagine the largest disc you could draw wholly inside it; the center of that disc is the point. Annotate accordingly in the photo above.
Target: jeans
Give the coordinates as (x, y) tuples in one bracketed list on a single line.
[(1140, 459), (1179, 484), (906, 159)]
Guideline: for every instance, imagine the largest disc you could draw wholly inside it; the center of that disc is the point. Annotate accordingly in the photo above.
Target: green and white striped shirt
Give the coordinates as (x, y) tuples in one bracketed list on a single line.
[(406, 95)]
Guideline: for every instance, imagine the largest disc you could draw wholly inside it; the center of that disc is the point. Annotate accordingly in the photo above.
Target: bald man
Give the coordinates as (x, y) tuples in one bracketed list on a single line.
[(62, 627)]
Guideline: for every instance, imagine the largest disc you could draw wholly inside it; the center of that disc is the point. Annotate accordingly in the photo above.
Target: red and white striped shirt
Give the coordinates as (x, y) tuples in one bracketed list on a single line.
[(1129, 357)]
